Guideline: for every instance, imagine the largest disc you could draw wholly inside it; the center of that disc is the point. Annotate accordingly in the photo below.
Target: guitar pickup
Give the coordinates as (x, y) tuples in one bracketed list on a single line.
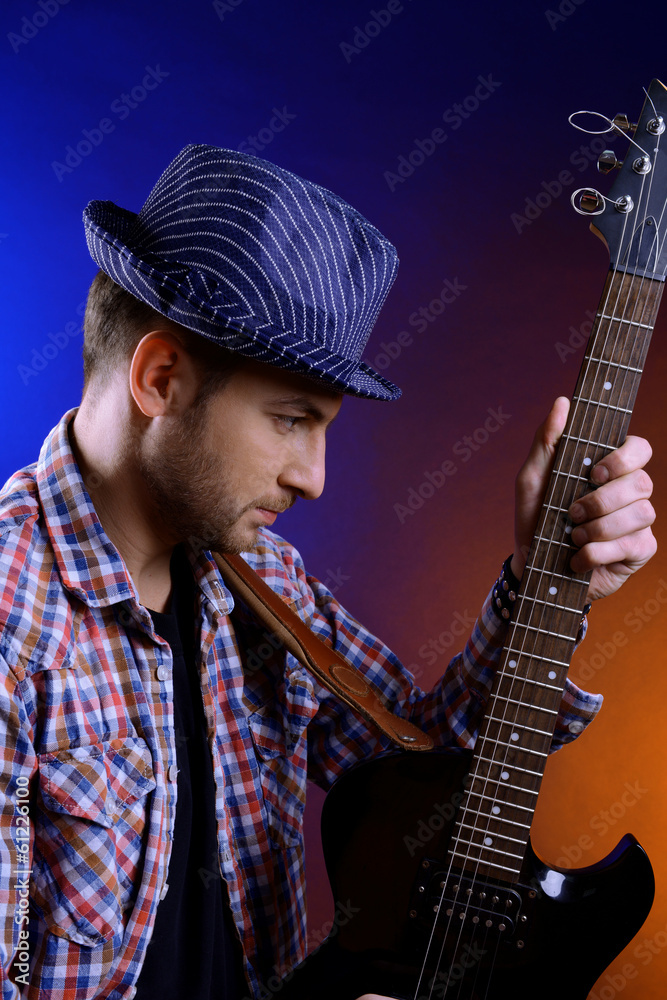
[(463, 900)]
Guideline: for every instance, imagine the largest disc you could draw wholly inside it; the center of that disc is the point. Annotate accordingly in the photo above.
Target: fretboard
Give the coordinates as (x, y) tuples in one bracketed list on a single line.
[(494, 821)]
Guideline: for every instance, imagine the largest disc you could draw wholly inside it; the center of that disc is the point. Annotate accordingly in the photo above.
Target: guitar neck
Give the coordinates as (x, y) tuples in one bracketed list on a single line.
[(491, 835)]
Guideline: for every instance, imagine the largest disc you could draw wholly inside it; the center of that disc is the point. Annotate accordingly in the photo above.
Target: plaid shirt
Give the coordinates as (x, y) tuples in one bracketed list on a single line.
[(87, 741)]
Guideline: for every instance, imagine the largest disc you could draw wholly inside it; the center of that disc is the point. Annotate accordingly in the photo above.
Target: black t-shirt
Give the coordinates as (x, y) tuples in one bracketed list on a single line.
[(194, 950)]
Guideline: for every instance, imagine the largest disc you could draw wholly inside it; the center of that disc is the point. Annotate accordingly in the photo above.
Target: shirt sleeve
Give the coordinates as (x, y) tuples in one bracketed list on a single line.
[(451, 711)]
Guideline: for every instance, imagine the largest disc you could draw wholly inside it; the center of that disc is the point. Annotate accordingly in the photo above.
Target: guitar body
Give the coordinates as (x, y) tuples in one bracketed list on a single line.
[(386, 829)]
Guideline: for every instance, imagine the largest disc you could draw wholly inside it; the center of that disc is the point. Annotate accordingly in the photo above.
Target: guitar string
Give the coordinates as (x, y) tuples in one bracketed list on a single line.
[(574, 457), (478, 812), (620, 320), (572, 460), (523, 682), (587, 367)]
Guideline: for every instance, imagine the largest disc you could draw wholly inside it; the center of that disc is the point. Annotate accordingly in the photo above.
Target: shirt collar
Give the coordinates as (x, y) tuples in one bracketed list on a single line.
[(89, 563)]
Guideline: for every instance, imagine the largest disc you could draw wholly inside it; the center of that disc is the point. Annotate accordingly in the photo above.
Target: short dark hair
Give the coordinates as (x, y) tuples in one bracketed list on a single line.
[(115, 322)]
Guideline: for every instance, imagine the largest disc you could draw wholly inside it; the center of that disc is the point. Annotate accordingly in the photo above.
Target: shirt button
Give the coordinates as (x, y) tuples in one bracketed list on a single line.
[(163, 673), (576, 727), (132, 993), (173, 771), (165, 890)]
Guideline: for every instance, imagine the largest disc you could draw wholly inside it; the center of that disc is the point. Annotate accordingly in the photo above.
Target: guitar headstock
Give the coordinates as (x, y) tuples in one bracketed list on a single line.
[(632, 218)]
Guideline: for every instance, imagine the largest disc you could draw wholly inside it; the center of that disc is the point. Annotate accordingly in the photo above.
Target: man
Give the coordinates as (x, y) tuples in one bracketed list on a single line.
[(156, 739)]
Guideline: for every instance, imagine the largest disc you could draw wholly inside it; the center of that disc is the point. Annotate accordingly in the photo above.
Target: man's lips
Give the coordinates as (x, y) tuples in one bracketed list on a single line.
[(268, 516)]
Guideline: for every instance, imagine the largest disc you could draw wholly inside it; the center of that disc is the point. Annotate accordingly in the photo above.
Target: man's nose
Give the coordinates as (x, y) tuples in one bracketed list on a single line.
[(304, 472)]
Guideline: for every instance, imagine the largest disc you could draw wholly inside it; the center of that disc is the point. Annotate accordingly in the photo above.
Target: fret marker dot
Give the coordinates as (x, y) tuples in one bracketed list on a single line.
[(552, 675), (504, 775), (568, 529), (514, 736), (512, 663), (488, 841), (587, 461), (553, 590), (495, 810), (607, 385)]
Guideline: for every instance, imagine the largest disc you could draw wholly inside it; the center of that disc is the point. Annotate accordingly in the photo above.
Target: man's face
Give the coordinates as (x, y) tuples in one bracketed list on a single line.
[(227, 468)]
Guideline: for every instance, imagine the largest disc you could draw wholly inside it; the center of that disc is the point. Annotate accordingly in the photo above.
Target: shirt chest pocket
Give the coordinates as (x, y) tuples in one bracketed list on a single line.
[(89, 837), (278, 731)]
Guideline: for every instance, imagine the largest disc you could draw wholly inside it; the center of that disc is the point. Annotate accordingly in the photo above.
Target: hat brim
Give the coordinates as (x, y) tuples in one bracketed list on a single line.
[(175, 292)]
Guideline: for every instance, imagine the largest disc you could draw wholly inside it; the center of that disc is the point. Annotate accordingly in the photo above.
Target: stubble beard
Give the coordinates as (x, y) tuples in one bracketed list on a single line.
[(191, 496)]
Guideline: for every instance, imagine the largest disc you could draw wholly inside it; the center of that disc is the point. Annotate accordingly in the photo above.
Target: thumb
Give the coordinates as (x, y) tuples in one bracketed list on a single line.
[(531, 482)]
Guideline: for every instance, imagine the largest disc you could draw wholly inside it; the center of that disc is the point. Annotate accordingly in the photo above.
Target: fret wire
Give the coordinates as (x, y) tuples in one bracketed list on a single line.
[(544, 631), (514, 767), (522, 704), (561, 510), (504, 784), (539, 732), (489, 864), (529, 680), (552, 572), (482, 795), (596, 402), (630, 322), (570, 475), (501, 819), (617, 364), (504, 836), (561, 607), (533, 656), (486, 847), (515, 746)]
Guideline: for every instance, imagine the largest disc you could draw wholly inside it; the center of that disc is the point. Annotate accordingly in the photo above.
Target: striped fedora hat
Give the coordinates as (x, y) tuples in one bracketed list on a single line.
[(257, 260)]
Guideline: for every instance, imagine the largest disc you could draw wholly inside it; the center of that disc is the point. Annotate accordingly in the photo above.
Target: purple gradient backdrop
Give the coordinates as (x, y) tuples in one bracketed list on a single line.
[(494, 346)]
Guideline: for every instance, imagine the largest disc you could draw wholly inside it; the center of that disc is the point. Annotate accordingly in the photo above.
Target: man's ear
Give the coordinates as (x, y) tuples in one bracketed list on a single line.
[(163, 380)]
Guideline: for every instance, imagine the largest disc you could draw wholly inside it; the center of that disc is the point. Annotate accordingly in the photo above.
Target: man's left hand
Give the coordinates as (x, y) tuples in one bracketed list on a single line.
[(611, 524)]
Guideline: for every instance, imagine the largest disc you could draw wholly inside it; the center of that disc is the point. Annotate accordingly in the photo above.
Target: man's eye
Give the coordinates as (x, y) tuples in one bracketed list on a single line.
[(289, 422)]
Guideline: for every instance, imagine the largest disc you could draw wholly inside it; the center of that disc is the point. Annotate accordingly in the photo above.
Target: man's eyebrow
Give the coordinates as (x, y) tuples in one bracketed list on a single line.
[(304, 403)]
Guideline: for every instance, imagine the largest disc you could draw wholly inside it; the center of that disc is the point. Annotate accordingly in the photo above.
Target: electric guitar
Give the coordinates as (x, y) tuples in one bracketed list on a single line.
[(430, 853)]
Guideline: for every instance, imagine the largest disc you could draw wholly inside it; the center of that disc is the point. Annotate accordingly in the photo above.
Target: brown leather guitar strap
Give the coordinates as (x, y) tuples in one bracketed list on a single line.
[(331, 670)]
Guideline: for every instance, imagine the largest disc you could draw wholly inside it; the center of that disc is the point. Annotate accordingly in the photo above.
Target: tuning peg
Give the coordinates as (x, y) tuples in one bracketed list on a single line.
[(621, 122), (656, 126), (587, 201), (608, 161)]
